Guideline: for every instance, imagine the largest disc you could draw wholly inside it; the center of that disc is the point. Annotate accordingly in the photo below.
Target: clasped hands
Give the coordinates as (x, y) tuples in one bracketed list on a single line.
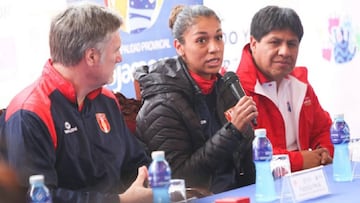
[(316, 157)]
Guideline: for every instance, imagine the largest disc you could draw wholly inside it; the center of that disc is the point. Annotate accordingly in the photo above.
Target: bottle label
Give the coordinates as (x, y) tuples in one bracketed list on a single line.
[(262, 155), (340, 133), (159, 179), (159, 175), (262, 149), (39, 194)]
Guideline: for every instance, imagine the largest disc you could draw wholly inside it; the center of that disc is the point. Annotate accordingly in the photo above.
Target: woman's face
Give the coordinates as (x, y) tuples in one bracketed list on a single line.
[(203, 47)]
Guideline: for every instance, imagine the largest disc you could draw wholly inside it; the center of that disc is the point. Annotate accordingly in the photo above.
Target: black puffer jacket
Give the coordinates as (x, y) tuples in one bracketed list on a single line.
[(199, 144)]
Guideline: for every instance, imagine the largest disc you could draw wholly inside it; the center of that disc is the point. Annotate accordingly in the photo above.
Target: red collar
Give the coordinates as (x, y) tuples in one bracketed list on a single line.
[(57, 81), (206, 85)]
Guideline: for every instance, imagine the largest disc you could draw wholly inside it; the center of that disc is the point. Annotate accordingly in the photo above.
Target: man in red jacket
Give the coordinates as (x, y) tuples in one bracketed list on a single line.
[(288, 107)]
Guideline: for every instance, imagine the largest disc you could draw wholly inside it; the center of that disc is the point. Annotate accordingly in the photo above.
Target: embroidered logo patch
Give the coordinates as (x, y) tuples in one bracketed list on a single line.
[(69, 129), (307, 101), (103, 122)]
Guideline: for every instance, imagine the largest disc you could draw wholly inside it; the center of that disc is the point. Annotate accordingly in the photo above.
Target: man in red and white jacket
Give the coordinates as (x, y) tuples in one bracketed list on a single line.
[(288, 107)]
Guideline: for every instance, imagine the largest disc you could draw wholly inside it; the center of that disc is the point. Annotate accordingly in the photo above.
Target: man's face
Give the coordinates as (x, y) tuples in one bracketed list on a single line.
[(110, 56), (276, 53)]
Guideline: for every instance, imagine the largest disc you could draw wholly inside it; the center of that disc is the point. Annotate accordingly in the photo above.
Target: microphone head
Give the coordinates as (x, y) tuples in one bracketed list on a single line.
[(230, 78)]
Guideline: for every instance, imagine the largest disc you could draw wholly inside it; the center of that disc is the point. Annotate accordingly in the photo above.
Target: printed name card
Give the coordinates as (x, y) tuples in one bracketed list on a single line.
[(308, 184), (355, 151), (355, 157)]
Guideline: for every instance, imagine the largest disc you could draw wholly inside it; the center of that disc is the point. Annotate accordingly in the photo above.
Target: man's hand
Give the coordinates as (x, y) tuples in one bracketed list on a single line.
[(137, 193), (325, 156), (317, 157)]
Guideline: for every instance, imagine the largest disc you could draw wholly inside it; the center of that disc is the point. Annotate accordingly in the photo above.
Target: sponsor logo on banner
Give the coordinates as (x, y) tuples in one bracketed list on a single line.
[(138, 15), (343, 40)]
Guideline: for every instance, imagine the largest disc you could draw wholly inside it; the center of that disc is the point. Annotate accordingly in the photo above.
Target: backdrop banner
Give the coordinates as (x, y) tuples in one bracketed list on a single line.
[(146, 36)]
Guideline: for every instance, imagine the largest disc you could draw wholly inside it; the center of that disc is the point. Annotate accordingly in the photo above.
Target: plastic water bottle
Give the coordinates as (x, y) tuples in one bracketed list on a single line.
[(38, 192), (340, 137), (262, 155), (159, 177)]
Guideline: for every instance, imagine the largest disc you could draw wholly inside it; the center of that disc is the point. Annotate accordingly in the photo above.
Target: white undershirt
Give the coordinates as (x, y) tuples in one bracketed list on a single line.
[(283, 100)]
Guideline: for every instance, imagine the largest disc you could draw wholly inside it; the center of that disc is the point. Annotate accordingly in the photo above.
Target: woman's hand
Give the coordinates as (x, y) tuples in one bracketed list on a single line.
[(243, 113)]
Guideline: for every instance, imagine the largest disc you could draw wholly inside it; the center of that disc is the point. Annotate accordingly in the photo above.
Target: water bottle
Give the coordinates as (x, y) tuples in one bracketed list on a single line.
[(159, 177), (340, 137), (262, 155), (38, 192)]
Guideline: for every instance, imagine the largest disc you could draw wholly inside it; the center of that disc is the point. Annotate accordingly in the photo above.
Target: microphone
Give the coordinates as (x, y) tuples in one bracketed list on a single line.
[(231, 80)]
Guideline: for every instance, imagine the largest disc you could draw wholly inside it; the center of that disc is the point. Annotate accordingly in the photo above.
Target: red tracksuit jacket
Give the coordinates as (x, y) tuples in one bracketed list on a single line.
[(314, 121)]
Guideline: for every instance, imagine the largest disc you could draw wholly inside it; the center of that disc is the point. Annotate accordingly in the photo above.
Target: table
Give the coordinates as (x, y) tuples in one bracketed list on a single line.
[(347, 192)]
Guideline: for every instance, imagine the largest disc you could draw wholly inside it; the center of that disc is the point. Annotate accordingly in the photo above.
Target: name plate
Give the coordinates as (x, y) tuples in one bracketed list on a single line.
[(308, 184), (355, 156), (355, 151)]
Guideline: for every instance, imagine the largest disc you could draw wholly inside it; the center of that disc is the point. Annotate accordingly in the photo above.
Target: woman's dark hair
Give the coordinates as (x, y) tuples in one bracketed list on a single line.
[(182, 17)]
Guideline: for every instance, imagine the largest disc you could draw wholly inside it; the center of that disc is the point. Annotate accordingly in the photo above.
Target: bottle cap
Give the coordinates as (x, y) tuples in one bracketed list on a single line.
[(36, 179), (260, 132), (157, 155), (339, 116)]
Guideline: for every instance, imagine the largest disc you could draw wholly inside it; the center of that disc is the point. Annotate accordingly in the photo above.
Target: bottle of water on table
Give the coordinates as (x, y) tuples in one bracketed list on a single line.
[(38, 192), (159, 177), (340, 137), (262, 155)]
